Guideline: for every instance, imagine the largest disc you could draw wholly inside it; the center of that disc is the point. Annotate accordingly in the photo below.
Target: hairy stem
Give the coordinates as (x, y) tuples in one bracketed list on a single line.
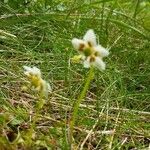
[(78, 102)]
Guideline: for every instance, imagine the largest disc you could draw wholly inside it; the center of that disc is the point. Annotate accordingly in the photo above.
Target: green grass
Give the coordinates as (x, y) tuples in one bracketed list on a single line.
[(117, 100)]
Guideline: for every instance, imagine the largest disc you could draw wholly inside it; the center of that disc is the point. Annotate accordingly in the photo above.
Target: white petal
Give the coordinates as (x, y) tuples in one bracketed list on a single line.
[(86, 63), (90, 37), (77, 42), (36, 71), (27, 71), (27, 68), (102, 51), (99, 64)]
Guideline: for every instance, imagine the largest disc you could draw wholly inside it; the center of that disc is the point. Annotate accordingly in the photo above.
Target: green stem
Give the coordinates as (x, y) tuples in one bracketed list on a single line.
[(80, 98), (38, 107)]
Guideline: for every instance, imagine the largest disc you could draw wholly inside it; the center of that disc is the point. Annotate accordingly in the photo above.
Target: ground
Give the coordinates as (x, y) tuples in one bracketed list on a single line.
[(115, 113)]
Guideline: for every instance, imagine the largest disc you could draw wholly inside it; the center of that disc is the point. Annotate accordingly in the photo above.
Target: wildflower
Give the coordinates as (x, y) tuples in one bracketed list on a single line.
[(34, 76), (92, 53)]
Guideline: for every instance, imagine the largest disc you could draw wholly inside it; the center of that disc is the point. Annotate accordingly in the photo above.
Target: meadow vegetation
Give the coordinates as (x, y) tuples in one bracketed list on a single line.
[(115, 112)]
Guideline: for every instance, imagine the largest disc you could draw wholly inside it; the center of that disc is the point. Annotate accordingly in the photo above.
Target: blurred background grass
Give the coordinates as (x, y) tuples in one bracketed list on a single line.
[(38, 33)]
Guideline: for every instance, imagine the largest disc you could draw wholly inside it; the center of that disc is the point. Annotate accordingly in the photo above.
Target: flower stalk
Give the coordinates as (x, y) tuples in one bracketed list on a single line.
[(78, 102), (91, 55), (36, 82)]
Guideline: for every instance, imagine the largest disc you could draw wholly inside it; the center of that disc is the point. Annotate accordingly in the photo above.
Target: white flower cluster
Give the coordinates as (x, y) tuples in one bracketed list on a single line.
[(91, 53), (34, 76)]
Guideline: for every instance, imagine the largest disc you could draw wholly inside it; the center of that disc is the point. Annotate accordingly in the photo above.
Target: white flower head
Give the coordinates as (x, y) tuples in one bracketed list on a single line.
[(92, 52), (34, 76), (32, 71)]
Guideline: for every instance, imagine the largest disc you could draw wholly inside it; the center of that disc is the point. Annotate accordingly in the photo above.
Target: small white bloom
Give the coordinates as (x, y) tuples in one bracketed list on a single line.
[(92, 52), (102, 51), (99, 63), (34, 76), (86, 63), (90, 37), (32, 71)]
